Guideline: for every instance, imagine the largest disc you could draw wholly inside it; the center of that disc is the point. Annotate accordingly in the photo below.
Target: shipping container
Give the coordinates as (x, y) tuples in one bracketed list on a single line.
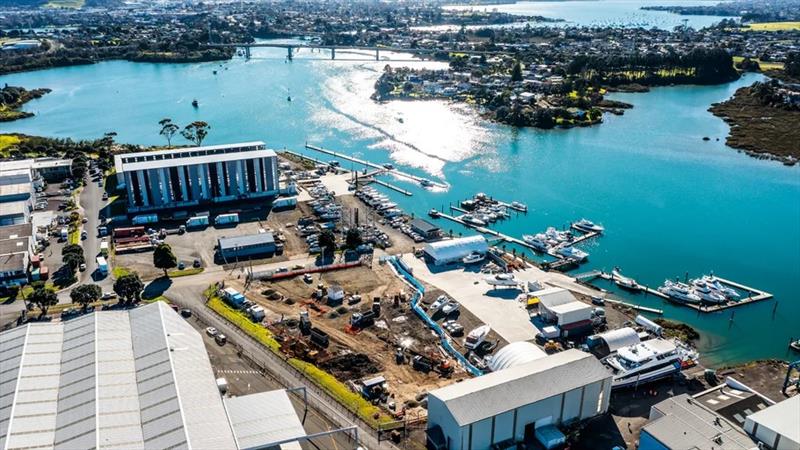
[(197, 222), (284, 203), (128, 232), (102, 265), (144, 219), (226, 219)]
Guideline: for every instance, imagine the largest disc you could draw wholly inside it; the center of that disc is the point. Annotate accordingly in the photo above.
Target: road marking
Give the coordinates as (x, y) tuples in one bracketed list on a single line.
[(239, 372)]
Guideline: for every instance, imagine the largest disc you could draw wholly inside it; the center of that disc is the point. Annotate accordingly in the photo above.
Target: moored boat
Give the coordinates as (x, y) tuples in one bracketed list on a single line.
[(588, 226), (572, 253), (623, 281)]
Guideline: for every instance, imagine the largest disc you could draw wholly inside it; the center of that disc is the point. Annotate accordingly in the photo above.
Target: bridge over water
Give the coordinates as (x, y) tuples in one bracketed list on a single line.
[(290, 49)]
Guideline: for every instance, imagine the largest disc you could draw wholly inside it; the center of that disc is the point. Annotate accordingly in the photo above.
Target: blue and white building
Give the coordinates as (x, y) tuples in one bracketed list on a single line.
[(185, 177)]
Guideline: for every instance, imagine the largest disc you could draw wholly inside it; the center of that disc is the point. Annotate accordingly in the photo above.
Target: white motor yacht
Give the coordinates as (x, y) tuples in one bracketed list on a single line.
[(449, 308), (473, 220), (706, 293), (644, 362), (623, 281), (572, 253), (679, 292), (474, 257), (502, 279), (588, 226), (476, 337), (538, 241)]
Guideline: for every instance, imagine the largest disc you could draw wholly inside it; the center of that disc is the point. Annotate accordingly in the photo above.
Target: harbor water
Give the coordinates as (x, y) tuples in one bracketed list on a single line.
[(671, 202)]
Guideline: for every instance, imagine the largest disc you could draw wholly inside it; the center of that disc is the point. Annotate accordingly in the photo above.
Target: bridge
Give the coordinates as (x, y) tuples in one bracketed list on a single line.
[(290, 48)]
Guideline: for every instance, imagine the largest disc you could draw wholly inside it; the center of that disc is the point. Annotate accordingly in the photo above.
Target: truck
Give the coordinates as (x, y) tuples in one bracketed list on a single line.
[(64, 233), (319, 337), (256, 313), (233, 297), (102, 265), (362, 320), (197, 222), (104, 247), (226, 219), (143, 219)]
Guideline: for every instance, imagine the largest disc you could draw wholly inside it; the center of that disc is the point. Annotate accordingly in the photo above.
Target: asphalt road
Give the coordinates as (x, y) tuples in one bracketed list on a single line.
[(190, 296)]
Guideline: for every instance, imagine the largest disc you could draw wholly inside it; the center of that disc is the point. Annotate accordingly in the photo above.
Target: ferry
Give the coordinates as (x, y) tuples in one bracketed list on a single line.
[(588, 226), (679, 292), (538, 242), (476, 337), (623, 281), (573, 253), (644, 362), (474, 257), (502, 279)]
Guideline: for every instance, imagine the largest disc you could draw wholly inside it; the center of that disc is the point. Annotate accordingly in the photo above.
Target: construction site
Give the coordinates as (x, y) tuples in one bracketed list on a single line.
[(357, 324)]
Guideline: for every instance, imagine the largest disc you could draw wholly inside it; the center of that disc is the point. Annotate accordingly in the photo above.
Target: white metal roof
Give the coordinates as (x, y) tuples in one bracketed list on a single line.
[(554, 296), (456, 248), (258, 427), (617, 339), (515, 354), (489, 395), (126, 379), (155, 159), (783, 418)]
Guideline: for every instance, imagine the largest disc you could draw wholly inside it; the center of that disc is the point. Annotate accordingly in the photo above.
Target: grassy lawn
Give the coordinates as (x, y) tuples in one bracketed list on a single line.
[(185, 272), (762, 64), (120, 271), (338, 390), (6, 141), (774, 26)]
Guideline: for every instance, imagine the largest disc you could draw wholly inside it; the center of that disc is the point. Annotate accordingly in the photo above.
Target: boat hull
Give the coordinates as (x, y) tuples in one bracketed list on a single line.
[(649, 377)]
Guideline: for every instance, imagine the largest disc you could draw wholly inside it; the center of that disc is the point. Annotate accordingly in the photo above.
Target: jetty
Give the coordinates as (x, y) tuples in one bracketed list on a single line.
[(635, 306), (399, 173)]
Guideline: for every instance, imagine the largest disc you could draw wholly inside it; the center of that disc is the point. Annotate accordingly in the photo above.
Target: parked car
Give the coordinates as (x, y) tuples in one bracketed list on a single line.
[(196, 263), (211, 331), (108, 295), (220, 339), (83, 267), (181, 265), (186, 312)]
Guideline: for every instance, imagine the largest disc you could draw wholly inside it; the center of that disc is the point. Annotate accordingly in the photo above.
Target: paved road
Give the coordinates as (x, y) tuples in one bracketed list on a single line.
[(244, 379), (189, 296)]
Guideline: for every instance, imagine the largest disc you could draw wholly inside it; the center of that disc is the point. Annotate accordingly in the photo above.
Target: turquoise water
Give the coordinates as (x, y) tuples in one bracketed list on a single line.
[(671, 203), (618, 13)]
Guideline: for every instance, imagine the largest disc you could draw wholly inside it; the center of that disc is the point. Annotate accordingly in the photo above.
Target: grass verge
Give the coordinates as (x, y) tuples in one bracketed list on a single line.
[(185, 272), (369, 413)]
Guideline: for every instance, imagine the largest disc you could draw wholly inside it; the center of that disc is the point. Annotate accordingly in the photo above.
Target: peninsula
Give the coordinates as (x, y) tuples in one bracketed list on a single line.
[(13, 97)]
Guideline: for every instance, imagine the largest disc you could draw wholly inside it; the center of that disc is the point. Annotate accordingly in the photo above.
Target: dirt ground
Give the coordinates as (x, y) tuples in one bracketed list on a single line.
[(369, 352)]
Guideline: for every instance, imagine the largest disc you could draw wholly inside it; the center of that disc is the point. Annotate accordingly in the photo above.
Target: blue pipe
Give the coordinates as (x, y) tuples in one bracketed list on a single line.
[(435, 326)]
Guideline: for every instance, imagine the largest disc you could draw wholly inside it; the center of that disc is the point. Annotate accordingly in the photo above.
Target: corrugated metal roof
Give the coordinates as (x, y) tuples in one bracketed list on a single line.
[(258, 427), (182, 156), (479, 398), (229, 243), (515, 354), (192, 160), (782, 418), (456, 248)]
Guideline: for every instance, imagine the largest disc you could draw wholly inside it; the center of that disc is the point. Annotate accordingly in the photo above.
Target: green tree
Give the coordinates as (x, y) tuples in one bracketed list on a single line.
[(85, 294), (43, 298), (73, 260), (516, 71), (327, 241), (353, 238), (168, 130), (129, 288), (164, 259), (196, 132)]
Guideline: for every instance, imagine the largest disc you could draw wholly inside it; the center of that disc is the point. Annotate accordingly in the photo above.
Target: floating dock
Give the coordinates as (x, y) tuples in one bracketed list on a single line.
[(635, 306), (390, 186), (399, 173)]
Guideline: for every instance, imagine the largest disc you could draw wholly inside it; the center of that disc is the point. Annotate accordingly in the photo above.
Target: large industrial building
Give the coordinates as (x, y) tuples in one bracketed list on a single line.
[(518, 403), (777, 427), (454, 250), (133, 379), (186, 177)]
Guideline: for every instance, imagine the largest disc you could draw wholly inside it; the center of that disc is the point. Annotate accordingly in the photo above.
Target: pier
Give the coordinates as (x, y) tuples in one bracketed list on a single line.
[(390, 186), (635, 306), (420, 180)]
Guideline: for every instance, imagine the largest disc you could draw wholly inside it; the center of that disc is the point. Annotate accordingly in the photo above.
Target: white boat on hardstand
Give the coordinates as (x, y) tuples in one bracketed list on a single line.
[(588, 226), (502, 279), (679, 292), (623, 281), (437, 305), (474, 257), (476, 337), (451, 307), (644, 362), (572, 253), (538, 241)]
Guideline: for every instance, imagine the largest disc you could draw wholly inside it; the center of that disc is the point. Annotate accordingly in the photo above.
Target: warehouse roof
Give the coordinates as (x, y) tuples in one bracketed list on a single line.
[(17, 207), (14, 245), (554, 296), (230, 243), (617, 339), (16, 231), (258, 427), (424, 226), (12, 262), (193, 155), (684, 423), (38, 163), (136, 378), (782, 418), (456, 248), (489, 395), (515, 354)]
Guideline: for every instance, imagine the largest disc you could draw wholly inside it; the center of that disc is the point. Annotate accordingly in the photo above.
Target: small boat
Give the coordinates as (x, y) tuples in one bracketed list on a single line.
[(451, 307), (215, 72), (474, 257), (519, 206), (476, 337), (437, 305), (623, 281), (433, 212), (538, 242), (572, 253), (502, 279), (473, 220), (588, 225), (426, 182), (288, 95), (795, 345), (195, 103)]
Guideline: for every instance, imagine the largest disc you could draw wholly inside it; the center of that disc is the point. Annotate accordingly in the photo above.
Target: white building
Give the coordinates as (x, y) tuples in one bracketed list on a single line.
[(130, 379), (454, 250), (182, 177), (511, 404), (778, 426), (561, 307)]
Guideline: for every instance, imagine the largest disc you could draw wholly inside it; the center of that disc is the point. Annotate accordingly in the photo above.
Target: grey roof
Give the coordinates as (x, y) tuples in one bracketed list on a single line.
[(12, 263), (127, 162), (16, 245), (38, 163), (489, 395), (13, 208), (127, 379), (257, 427), (423, 225), (782, 418), (15, 231), (230, 243), (684, 423)]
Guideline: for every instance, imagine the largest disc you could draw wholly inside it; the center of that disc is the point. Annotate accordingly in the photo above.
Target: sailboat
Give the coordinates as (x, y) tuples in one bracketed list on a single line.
[(288, 95)]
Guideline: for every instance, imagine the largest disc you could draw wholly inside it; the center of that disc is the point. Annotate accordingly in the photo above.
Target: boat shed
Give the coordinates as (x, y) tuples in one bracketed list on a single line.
[(454, 250), (777, 426), (425, 228), (514, 354), (509, 405), (611, 341), (246, 246)]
